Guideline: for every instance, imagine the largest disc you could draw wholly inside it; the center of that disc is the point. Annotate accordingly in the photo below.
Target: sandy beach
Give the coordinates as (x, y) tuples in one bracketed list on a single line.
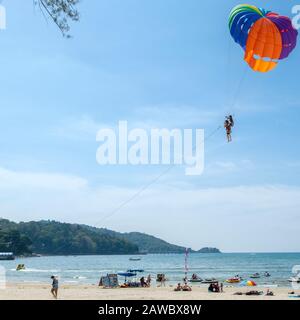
[(90, 292)]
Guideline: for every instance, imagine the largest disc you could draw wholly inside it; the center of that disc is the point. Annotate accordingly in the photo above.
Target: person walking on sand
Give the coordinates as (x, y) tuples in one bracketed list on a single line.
[(163, 280), (221, 287), (149, 280), (143, 283), (54, 289)]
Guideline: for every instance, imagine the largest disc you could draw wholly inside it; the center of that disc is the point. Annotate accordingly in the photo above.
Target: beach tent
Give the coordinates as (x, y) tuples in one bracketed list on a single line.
[(109, 281)]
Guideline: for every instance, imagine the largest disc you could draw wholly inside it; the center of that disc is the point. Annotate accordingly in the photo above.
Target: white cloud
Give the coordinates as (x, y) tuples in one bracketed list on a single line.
[(177, 116), (81, 128), (218, 168), (165, 116), (23, 180), (244, 218)]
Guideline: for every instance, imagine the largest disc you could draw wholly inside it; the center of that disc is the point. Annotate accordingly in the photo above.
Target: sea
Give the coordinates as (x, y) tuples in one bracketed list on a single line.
[(89, 269)]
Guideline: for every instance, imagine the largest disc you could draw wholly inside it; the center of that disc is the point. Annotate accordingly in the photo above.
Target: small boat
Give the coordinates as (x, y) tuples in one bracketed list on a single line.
[(135, 259), (255, 276), (209, 281), (294, 279), (195, 278), (135, 270), (20, 267), (7, 256), (234, 280)]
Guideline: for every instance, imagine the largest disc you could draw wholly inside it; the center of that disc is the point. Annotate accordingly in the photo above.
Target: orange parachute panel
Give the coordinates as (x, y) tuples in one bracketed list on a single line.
[(264, 46)]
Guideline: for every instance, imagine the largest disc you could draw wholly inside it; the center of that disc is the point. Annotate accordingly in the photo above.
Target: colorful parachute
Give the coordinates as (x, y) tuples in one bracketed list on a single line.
[(265, 36)]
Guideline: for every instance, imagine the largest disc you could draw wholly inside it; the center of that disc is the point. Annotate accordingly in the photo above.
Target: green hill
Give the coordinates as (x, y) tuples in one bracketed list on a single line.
[(147, 243), (56, 238)]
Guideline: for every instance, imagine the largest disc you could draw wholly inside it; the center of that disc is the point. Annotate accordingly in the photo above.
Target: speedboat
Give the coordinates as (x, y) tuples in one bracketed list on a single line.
[(234, 280), (135, 259), (135, 270), (294, 279), (209, 281), (255, 276), (196, 279)]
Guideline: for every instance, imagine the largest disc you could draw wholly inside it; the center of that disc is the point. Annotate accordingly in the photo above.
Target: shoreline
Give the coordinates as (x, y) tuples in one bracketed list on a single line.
[(41, 291)]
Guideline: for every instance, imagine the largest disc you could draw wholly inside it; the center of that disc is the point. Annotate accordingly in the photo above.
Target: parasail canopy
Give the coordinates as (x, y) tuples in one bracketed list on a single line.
[(265, 36)]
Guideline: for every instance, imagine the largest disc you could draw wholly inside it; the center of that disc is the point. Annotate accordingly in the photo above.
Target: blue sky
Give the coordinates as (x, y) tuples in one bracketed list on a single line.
[(160, 64)]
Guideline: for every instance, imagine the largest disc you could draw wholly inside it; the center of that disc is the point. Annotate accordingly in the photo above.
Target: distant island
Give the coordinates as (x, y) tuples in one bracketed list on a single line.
[(57, 238), (209, 250)]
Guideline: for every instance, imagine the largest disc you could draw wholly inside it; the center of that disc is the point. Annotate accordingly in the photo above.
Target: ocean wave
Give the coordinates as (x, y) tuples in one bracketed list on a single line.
[(79, 277), (36, 270), (84, 271)]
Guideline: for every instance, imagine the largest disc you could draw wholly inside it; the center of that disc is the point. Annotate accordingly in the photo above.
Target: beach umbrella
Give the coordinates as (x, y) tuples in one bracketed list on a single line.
[(126, 275), (248, 283)]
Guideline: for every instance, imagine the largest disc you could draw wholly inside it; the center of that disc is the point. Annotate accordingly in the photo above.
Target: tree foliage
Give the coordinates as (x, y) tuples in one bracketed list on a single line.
[(55, 238), (11, 240), (62, 12)]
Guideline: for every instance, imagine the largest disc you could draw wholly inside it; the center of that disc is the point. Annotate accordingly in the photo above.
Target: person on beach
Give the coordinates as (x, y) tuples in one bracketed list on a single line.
[(186, 287), (269, 293), (54, 289), (163, 280), (214, 287), (149, 280), (178, 288), (143, 283), (221, 287)]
